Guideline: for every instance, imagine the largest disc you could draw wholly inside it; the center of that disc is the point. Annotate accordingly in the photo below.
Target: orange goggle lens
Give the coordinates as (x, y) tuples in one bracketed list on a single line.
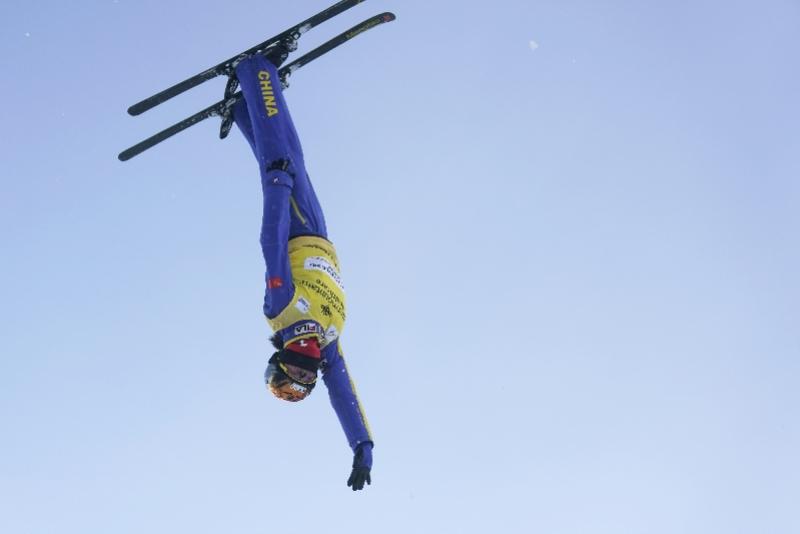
[(289, 390)]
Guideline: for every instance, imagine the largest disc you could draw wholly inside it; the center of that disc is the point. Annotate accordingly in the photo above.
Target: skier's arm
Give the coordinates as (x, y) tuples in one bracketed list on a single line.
[(344, 400), (343, 397)]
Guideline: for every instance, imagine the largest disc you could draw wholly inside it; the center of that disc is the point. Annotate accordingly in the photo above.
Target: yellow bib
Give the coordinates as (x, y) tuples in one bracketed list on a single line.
[(318, 293)]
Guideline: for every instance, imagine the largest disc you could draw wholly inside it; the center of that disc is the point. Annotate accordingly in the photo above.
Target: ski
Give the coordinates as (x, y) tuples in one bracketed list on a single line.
[(223, 107), (225, 68)]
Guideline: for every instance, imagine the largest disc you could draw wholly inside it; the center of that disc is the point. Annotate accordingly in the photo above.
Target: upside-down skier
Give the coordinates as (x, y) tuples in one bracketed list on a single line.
[(304, 299)]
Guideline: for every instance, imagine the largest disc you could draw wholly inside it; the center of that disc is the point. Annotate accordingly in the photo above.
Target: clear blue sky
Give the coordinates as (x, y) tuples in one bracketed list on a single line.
[(569, 233)]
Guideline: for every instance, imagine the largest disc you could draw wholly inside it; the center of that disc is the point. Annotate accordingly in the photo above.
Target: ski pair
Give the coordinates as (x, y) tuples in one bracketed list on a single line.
[(226, 67), (223, 107)]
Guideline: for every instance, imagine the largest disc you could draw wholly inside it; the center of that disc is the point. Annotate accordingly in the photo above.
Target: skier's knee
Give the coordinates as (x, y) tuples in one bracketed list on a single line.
[(273, 177)]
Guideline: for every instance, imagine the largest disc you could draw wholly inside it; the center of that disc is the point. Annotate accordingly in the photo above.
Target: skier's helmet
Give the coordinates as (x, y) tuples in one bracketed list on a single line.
[(292, 371)]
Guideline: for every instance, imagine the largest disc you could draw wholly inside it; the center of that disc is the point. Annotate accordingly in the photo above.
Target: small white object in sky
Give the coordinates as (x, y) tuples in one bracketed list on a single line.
[(27, 34), (534, 45)]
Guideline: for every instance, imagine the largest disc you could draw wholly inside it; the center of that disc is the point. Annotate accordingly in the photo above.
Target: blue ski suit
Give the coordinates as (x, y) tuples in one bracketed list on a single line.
[(304, 294)]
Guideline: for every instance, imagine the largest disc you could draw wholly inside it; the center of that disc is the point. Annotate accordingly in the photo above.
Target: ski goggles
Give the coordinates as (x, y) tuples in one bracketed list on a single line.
[(289, 378)]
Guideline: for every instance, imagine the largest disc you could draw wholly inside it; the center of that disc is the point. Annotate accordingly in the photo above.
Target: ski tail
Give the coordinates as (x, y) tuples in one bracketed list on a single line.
[(226, 67), (181, 87), (223, 107)]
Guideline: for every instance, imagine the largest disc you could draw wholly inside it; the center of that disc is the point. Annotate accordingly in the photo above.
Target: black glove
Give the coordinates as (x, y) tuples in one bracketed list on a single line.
[(362, 464)]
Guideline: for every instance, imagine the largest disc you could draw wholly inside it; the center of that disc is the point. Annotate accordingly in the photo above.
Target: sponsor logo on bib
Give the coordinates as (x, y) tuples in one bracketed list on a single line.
[(303, 306), (307, 328), (331, 334), (318, 263)]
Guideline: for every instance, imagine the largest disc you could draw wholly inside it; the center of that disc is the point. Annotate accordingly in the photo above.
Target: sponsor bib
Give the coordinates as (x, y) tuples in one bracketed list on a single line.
[(318, 306)]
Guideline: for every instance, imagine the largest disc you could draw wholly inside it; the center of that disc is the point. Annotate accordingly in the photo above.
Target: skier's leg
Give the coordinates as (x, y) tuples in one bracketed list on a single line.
[(242, 118), (275, 141), (307, 209)]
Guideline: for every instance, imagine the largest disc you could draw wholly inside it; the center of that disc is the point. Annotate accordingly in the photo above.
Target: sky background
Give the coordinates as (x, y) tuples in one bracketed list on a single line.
[(569, 233)]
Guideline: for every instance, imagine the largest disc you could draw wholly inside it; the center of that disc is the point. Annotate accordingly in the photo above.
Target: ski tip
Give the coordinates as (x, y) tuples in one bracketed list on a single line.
[(388, 16), (140, 107), (125, 155)]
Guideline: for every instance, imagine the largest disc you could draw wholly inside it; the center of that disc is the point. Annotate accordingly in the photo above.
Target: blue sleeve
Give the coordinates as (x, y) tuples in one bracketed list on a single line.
[(343, 397)]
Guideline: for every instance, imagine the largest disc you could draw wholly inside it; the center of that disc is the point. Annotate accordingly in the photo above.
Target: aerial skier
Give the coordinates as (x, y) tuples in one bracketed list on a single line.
[(304, 300)]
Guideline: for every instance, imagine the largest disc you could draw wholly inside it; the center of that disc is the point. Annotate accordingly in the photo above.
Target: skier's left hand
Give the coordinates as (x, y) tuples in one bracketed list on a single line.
[(362, 464)]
